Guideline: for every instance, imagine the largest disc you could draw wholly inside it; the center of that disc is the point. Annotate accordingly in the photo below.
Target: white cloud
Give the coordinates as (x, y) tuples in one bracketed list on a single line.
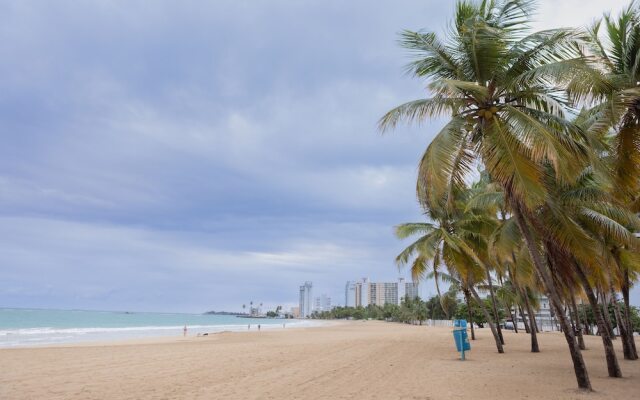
[(574, 13)]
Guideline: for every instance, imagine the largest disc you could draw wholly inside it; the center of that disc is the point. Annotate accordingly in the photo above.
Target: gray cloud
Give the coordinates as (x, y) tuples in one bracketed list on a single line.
[(192, 155)]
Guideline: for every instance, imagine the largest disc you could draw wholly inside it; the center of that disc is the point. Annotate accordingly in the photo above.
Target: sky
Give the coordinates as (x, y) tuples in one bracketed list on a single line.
[(189, 156)]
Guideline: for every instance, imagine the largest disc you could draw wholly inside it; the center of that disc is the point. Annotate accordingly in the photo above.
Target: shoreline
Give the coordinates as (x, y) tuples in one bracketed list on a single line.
[(348, 359), (192, 333)]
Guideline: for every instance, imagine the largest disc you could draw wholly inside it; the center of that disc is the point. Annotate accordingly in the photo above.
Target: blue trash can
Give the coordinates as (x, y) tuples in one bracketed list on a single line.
[(462, 323), (460, 335)]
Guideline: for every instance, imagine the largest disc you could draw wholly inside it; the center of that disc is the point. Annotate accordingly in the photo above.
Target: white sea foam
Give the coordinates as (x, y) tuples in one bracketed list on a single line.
[(50, 335)]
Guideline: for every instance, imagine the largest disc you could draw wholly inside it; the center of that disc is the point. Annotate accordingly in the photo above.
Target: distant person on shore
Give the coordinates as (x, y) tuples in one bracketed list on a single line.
[(249, 327), (258, 327), (184, 331)]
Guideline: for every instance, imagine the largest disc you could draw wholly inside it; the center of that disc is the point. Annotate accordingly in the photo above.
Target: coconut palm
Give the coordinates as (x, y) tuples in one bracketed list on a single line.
[(488, 198), (454, 239), (508, 296), (503, 90), (574, 214), (506, 247), (617, 112), (461, 285), (578, 222)]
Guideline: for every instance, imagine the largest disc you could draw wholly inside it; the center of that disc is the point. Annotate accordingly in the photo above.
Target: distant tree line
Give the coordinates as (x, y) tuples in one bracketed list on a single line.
[(416, 311), (411, 310)]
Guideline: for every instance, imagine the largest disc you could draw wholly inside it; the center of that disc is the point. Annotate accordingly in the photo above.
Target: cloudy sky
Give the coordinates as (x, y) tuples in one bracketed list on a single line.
[(192, 155)]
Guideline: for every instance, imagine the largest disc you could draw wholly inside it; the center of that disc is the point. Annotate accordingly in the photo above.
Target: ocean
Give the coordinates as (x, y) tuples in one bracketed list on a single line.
[(37, 327)]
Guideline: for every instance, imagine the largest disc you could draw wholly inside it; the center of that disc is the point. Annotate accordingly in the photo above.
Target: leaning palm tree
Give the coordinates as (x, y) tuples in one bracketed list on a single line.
[(586, 208), (507, 249), (488, 197), (427, 263), (616, 116), (503, 90), (455, 240), (462, 285), (508, 296)]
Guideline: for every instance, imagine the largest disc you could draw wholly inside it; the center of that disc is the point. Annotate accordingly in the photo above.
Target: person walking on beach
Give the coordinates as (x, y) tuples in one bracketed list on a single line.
[(249, 327), (184, 331), (258, 327)]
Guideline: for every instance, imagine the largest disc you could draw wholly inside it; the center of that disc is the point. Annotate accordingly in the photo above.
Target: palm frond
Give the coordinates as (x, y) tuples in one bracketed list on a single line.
[(444, 164), (419, 110)]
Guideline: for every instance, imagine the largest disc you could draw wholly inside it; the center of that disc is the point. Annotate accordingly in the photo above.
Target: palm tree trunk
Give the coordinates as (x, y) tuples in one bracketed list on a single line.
[(469, 313), (622, 326), (496, 317), (533, 331), (612, 361), (576, 317), (607, 315), (625, 314), (524, 321), (580, 368), (488, 318), (513, 320), (585, 321), (435, 276)]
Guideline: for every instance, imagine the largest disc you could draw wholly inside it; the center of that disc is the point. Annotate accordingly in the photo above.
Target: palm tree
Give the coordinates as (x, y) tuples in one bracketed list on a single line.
[(578, 210), (617, 112), (422, 263), (508, 296), (461, 285), (503, 89), (454, 239), (488, 198), (522, 279), (586, 210)]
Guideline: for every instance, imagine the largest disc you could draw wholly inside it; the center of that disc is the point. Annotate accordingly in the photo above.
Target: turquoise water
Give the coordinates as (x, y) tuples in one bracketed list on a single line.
[(32, 327)]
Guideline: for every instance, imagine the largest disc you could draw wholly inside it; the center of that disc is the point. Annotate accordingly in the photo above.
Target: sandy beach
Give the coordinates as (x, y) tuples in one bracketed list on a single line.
[(363, 360)]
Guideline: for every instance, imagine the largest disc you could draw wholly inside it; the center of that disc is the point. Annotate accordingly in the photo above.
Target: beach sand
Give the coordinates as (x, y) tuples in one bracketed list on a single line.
[(359, 360)]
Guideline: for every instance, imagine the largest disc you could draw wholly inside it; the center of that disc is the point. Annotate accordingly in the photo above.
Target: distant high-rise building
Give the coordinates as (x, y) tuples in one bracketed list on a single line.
[(350, 294), (410, 290), (306, 299), (378, 293), (363, 296), (322, 303)]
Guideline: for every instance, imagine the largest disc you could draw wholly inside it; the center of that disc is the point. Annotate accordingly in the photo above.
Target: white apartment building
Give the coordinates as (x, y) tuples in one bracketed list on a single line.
[(545, 319), (379, 293), (306, 299), (544, 316)]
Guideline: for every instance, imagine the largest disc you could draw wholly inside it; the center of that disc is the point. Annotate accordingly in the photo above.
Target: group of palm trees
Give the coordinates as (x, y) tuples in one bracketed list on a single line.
[(551, 120)]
